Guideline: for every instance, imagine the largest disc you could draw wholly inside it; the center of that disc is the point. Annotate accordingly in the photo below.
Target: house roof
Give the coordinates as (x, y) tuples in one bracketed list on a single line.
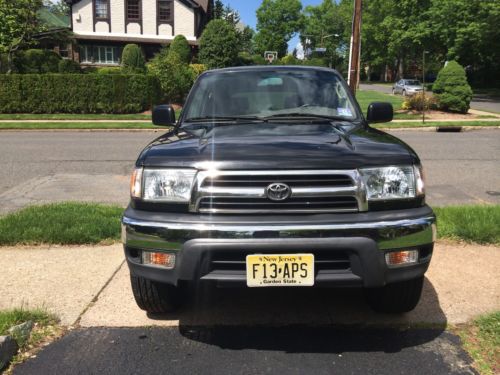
[(201, 3), (51, 20)]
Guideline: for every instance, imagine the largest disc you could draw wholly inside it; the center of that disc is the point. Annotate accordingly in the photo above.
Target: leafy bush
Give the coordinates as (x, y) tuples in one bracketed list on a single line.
[(69, 66), (133, 60), (77, 93), (197, 69), (181, 47), (244, 59), (417, 102), (290, 60), (451, 88), (219, 45), (35, 61), (259, 60), (175, 77), (109, 70)]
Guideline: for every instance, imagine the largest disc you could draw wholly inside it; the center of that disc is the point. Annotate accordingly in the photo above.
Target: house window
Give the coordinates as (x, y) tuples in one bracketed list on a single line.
[(133, 10), (101, 9), (86, 54), (164, 10), (105, 55)]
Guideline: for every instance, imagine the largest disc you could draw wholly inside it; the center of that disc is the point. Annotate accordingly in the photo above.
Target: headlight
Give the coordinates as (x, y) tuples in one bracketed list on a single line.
[(393, 182), (166, 185)]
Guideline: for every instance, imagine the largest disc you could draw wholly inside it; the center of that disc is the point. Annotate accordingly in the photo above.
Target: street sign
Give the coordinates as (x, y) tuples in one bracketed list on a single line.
[(320, 49)]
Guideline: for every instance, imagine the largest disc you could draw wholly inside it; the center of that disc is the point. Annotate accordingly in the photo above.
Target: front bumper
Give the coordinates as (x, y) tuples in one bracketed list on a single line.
[(349, 248)]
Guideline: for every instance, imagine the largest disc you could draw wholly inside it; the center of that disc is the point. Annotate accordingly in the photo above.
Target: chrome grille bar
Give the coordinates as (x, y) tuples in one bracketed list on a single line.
[(311, 191)]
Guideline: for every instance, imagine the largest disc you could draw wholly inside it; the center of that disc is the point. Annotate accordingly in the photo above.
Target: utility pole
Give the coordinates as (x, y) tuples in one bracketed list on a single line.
[(354, 56)]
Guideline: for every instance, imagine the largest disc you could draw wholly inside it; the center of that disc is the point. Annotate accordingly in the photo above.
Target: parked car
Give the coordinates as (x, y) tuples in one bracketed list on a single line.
[(407, 87), (272, 177)]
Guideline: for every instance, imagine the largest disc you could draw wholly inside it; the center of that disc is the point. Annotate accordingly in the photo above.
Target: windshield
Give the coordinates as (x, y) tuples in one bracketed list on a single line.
[(413, 83), (267, 93)]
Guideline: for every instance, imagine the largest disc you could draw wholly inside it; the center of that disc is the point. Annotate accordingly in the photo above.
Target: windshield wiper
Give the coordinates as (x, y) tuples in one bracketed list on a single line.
[(300, 115), (224, 119)]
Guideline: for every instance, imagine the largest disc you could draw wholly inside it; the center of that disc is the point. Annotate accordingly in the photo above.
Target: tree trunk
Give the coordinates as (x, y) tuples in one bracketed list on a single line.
[(400, 68)]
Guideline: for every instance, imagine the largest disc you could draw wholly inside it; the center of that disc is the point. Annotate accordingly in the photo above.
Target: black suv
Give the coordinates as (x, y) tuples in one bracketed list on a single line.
[(272, 177)]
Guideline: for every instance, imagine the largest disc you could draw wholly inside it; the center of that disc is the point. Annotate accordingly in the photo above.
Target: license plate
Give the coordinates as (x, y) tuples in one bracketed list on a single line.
[(280, 270)]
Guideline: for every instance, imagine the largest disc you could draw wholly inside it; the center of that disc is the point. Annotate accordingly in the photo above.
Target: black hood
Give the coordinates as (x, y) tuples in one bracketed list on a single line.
[(276, 146)]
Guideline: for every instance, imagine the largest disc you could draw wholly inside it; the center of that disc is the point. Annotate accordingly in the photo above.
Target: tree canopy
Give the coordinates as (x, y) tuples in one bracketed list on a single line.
[(219, 45), (277, 22)]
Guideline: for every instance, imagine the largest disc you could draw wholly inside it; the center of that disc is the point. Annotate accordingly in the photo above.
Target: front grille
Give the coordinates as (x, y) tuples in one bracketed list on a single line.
[(313, 204), (293, 180), (308, 191)]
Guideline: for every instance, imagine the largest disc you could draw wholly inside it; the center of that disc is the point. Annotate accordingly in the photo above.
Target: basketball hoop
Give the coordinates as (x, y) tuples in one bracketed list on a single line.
[(270, 56)]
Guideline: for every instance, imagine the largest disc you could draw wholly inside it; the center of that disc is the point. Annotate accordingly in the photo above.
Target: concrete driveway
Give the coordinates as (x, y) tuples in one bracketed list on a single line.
[(247, 331), (479, 101)]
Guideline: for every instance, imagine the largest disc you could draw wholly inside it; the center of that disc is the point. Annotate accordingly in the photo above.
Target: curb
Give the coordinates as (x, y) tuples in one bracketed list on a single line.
[(135, 130)]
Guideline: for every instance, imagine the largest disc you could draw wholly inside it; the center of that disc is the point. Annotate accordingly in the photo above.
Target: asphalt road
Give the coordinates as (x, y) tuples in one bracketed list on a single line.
[(251, 350), (479, 102), (41, 167)]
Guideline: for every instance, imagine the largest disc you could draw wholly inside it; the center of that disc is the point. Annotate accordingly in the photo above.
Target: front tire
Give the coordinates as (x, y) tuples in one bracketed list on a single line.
[(395, 298), (155, 297), (404, 92)]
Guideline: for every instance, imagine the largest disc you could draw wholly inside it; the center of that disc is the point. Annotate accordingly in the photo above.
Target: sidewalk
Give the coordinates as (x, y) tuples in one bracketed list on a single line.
[(89, 286)]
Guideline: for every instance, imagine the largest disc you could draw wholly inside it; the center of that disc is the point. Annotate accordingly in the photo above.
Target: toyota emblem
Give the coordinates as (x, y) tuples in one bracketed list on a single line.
[(278, 191)]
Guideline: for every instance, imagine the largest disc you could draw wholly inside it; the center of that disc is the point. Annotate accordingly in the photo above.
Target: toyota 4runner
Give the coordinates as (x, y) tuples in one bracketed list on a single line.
[(272, 177)]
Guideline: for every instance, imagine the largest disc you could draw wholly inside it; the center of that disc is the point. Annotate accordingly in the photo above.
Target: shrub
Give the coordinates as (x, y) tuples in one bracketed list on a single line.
[(244, 59), (133, 60), (259, 60), (451, 88), (219, 45), (181, 47), (290, 60), (175, 77), (69, 66), (197, 69), (416, 102), (109, 70), (77, 93), (35, 61)]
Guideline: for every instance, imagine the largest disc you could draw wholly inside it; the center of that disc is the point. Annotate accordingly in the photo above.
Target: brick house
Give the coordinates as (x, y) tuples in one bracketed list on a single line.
[(102, 28)]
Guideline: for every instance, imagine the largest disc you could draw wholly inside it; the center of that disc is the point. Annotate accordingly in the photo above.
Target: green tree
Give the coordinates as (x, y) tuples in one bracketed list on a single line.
[(175, 77), (277, 22), (133, 59), (59, 8), (18, 24), (181, 47), (324, 27), (219, 45), (452, 89)]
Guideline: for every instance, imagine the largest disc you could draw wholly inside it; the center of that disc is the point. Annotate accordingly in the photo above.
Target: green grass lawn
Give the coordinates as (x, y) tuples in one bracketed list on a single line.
[(62, 223), (427, 124), (478, 223), (45, 329), (82, 223), (9, 318), (78, 125), (481, 339), (365, 97)]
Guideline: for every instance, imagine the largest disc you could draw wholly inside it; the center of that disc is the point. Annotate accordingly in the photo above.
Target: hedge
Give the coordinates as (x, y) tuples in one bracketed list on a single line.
[(78, 93)]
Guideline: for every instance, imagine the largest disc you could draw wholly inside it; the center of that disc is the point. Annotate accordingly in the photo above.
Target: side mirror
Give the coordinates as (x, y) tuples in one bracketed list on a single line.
[(379, 112), (163, 115)]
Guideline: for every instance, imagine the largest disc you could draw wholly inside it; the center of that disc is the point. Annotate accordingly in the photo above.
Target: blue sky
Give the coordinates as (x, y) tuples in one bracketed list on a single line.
[(247, 9)]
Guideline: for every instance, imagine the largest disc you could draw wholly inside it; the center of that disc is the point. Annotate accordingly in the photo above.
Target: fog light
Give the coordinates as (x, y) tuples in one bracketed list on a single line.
[(166, 260), (398, 258)]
